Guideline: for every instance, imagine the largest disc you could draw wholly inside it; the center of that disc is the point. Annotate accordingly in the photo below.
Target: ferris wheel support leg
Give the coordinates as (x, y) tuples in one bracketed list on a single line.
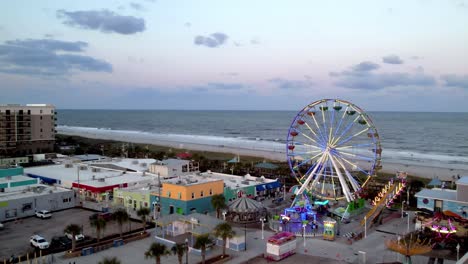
[(350, 178), (342, 181), (309, 178)]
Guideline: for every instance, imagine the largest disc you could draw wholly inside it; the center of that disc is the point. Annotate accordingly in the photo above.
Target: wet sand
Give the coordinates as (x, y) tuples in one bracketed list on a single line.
[(277, 154)]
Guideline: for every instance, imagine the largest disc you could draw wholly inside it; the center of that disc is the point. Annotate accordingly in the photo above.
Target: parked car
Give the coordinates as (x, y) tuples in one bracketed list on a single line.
[(43, 214), (78, 237), (106, 216), (39, 242), (60, 243)]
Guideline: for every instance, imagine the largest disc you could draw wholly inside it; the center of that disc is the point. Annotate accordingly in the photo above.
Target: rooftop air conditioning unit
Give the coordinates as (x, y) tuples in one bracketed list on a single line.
[(83, 167), (68, 165), (134, 161), (101, 179), (95, 169), (143, 164), (245, 182)]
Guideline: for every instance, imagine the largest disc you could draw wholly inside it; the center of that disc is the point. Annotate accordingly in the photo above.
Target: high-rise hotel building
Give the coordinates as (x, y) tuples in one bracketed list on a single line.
[(27, 129)]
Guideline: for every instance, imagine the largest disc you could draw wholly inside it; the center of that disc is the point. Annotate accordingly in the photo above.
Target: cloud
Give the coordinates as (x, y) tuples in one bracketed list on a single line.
[(286, 84), (47, 57), (416, 57), (453, 80), (137, 6), (392, 59), (363, 78), (226, 86), (365, 66), (219, 86), (49, 44), (103, 20), (212, 41), (187, 24)]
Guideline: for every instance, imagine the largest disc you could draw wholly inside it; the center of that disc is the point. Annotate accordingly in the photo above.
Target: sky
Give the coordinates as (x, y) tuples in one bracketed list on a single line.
[(237, 55)]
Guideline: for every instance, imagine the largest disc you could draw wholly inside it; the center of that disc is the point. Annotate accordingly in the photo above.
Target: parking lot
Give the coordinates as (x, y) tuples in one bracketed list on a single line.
[(14, 238)]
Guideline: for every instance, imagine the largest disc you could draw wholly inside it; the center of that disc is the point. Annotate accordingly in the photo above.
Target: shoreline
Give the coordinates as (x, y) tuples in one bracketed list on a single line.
[(428, 172)]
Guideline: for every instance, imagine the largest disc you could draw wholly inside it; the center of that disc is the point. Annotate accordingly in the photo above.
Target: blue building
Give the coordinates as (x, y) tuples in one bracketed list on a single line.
[(442, 200)]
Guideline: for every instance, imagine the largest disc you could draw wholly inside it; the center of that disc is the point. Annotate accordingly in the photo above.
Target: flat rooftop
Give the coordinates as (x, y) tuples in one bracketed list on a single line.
[(60, 172), (463, 180), (439, 194), (235, 181), (17, 178), (138, 165), (171, 162), (32, 191), (188, 180)]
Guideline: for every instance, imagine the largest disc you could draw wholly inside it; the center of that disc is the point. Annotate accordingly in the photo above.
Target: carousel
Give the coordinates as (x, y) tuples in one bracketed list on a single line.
[(245, 210)]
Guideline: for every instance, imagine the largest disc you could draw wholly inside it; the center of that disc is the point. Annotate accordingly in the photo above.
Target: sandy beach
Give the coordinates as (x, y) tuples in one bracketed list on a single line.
[(274, 151)]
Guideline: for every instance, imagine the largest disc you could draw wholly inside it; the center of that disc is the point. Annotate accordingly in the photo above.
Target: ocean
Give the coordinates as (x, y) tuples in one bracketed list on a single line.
[(413, 138)]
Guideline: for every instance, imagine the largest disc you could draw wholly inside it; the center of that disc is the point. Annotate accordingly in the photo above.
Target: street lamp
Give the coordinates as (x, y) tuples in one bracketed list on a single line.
[(187, 250), (262, 219), (245, 236), (303, 229), (224, 215), (402, 207)]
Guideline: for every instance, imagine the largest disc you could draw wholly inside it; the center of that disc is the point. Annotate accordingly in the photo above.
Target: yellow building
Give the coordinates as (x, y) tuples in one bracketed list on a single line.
[(185, 196)]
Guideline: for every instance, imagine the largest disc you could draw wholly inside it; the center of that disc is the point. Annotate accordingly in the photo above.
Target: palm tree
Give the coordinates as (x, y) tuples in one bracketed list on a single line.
[(156, 251), (201, 243), (143, 213), (109, 260), (224, 231), (218, 202), (121, 216), (100, 225), (73, 230), (179, 250)]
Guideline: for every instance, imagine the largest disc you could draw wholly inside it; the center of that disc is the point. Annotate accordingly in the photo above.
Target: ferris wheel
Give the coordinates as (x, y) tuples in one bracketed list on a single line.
[(333, 149)]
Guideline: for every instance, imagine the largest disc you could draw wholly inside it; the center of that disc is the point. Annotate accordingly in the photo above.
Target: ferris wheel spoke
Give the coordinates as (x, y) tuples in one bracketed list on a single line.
[(355, 146), (354, 165), (343, 183), (307, 160), (347, 128), (309, 138), (308, 171), (318, 138), (319, 130), (351, 179), (356, 156), (310, 176), (319, 175), (312, 146), (330, 138), (305, 152), (351, 137), (341, 122)]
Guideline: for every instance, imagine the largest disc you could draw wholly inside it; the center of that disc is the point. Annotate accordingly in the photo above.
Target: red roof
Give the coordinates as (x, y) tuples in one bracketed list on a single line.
[(98, 189), (184, 155)]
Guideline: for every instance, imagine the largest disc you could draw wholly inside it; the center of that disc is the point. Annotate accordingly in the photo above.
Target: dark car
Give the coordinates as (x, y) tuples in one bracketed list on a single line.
[(60, 243), (106, 216)]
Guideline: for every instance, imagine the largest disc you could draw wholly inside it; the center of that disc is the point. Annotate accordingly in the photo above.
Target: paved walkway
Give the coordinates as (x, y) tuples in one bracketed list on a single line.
[(337, 250)]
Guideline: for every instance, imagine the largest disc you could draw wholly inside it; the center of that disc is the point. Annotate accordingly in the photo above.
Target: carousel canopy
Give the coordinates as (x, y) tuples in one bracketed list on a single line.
[(244, 205)]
